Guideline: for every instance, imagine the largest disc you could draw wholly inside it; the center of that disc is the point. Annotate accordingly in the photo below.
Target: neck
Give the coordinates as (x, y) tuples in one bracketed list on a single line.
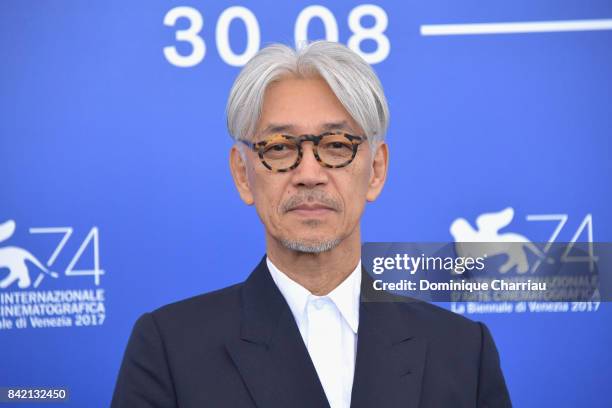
[(322, 272)]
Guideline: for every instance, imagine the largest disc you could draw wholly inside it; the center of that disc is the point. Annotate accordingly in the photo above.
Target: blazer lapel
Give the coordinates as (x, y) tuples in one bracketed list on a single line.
[(390, 359), (270, 353)]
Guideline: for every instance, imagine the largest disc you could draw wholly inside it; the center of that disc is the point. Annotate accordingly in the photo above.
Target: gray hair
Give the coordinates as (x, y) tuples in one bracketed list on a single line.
[(352, 80)]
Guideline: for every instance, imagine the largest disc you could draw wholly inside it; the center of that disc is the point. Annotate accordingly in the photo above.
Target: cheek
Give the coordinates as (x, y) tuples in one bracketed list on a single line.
[(360, 178), (354, 190), (267, 192)]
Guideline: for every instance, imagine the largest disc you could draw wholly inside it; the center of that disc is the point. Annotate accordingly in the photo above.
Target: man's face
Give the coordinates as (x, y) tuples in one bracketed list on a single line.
[(310, 208)]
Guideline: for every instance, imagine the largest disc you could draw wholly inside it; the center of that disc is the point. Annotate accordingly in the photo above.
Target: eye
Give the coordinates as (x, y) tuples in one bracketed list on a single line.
[(280, 151), (278, 147), (337, 145)]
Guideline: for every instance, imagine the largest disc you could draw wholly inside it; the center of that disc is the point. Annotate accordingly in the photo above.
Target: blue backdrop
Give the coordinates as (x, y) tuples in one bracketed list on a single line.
[(114, 164)]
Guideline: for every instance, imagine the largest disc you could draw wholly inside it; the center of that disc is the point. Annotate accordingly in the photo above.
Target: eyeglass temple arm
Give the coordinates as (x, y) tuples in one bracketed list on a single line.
[(251, 145)]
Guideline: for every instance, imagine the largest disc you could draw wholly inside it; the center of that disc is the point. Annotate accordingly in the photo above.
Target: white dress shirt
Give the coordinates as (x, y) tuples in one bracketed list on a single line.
[(328, 325)]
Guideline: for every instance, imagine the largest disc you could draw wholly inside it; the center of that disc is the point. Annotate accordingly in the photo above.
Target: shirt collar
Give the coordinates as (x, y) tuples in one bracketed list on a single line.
[(345, 296)]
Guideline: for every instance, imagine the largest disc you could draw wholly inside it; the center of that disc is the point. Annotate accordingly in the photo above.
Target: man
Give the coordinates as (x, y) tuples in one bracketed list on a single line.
[(309, 127)]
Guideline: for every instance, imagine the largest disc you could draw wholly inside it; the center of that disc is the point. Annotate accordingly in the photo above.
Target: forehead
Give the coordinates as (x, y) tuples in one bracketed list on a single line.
[(302, 105)]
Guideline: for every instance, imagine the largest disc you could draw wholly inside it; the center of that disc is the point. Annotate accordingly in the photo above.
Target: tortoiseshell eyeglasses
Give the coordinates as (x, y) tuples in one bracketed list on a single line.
[(281, 153)]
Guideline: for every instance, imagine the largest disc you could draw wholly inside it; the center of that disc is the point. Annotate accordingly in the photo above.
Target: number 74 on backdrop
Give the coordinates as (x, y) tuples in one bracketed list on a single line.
[(92, 238), (198, 46)]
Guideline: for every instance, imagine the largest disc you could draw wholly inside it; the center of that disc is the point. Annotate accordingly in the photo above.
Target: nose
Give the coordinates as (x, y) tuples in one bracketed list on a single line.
[(309, 173)]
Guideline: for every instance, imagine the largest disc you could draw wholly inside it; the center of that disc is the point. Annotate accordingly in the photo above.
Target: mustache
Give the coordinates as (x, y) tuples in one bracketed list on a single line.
[(309, 197)]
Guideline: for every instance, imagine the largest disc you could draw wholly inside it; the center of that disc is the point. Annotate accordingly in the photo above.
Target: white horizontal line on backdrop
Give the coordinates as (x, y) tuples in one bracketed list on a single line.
[(515, 27)]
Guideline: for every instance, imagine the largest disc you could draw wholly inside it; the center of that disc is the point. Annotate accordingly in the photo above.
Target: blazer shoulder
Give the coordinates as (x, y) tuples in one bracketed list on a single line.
[(211, 307), (439, 320)]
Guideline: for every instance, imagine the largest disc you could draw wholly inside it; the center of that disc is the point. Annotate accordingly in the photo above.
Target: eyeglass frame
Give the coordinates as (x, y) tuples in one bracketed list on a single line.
[(259, 147)]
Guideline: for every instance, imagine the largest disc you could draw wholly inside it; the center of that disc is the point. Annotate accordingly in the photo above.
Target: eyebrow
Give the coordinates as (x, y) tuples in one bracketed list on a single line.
[(288, 128), (342, 125), (277, 128)]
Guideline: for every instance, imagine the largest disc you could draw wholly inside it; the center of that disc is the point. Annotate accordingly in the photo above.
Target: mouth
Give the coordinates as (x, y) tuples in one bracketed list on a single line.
[(311, 210)]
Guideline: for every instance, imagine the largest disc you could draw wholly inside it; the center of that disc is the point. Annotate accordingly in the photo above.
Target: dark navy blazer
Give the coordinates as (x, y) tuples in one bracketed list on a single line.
[(240, 347)]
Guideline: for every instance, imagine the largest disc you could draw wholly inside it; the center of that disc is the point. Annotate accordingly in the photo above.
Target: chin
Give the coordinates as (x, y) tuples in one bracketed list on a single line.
[(310, 246)]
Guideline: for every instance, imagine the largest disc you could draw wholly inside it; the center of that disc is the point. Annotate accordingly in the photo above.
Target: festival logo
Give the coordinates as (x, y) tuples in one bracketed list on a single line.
[(492, 242), (14, 258), (26, 301), (523, 256)]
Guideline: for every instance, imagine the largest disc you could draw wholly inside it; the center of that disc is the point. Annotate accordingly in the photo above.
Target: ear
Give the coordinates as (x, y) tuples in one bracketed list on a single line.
[(238, 168), (380, 164)]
